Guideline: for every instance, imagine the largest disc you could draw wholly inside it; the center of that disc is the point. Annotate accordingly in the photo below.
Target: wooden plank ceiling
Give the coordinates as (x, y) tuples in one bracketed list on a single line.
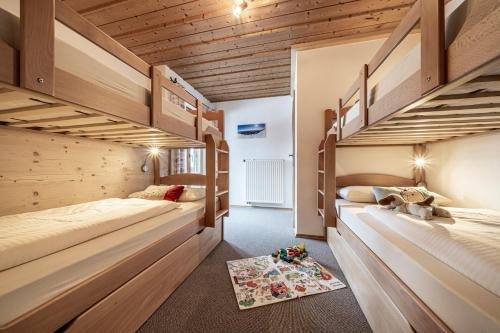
[(229, 58)]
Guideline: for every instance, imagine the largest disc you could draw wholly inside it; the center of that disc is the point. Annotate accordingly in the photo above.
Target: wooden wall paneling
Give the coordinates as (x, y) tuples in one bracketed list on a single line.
[(373, 179), (37, 55), (40, 171), (9, 69), (184, 179), (211, 171), (432, 69), (78, 23), (330, 191)]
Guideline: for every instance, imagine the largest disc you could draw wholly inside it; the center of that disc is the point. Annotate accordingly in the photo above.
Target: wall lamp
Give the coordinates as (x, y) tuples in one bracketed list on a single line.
[(152, 153)]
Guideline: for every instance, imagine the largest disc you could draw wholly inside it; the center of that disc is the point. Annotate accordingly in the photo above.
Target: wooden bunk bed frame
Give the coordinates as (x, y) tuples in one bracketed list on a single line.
[(455, 93), (345, 243), (31, 85), (123, 296)]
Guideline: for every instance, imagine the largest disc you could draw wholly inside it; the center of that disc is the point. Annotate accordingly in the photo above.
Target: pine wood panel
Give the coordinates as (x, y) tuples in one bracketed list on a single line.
[(203, 42), (47, 171)]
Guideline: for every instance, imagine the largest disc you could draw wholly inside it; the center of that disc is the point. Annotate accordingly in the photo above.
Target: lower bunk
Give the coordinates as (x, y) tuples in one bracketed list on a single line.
[(426, 276), (108, 272)]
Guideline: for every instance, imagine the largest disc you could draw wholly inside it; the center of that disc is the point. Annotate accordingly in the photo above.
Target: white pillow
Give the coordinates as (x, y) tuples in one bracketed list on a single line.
[(357, 194), (192, 194), (440, 199), (152, 192)]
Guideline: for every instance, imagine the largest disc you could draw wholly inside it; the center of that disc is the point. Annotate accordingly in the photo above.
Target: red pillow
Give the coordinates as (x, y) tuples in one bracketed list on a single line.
[(174, 193)]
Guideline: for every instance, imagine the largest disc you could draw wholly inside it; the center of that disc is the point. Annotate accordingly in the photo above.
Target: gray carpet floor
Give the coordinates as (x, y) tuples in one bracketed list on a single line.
[(205, 302)]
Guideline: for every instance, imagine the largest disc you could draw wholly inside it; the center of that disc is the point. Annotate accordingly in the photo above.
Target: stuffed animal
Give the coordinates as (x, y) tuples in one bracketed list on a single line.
[(423, 209), (410, 200)]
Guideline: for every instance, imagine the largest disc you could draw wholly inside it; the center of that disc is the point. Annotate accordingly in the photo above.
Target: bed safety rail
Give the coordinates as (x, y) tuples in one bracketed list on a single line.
[(430, 15), (163, 121)]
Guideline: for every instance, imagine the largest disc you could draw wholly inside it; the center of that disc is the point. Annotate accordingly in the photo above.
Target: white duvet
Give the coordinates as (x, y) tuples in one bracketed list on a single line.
[(29, 236), (469, 242)]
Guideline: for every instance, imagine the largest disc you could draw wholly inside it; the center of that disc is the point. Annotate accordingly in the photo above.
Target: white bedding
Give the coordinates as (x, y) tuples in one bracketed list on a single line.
[(463, 304), (24, 287), (469, 241), (29, 236)]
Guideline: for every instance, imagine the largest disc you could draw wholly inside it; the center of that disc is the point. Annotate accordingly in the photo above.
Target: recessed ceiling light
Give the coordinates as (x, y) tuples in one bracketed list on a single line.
[(239, 6)]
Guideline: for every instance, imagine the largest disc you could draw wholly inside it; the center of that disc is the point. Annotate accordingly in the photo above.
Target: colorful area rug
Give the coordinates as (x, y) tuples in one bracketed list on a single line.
[(261, 281)]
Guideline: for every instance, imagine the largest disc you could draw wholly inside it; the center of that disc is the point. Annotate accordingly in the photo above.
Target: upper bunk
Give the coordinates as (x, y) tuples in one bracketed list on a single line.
[(446, 86), (61, 74)]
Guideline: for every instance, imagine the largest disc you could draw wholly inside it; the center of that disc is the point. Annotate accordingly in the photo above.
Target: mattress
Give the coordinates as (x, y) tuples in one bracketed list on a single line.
[(462, 303), (32, 235), (397, 68), (24, 287)]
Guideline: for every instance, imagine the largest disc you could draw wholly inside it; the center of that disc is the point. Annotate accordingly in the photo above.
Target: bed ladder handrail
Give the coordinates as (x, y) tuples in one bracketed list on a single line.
[(430, 14)]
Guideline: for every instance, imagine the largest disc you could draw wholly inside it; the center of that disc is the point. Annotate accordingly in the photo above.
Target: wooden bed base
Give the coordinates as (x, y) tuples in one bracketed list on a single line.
[(29, 77), (454, 93), (418, 315), (123, 296)]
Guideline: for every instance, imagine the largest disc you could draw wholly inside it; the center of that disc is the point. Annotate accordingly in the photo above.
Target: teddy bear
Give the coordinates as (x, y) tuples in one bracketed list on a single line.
[(423, 209), (412, 200)]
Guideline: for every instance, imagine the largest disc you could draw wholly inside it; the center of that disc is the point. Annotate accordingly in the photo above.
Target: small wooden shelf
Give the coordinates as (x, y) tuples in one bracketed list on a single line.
[(321, 212), (221, 192), (222, 151), (221, 212), (321, 171), (321, 192)]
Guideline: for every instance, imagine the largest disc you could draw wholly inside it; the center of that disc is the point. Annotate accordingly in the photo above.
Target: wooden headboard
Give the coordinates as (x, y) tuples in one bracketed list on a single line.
[(184, 179), (374, 179)]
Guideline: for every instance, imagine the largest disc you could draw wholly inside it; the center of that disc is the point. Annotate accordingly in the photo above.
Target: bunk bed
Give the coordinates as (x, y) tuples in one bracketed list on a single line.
[(73, 79), (60, 74), (448, 86)]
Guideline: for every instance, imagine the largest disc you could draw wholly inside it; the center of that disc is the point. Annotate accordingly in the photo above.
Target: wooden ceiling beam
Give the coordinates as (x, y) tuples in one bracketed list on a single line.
[(244, 88), (252, 92)]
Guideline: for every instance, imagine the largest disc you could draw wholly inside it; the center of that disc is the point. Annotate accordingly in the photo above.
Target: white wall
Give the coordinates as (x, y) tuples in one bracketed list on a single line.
[(322, 77), (276, 112), (466, 170)]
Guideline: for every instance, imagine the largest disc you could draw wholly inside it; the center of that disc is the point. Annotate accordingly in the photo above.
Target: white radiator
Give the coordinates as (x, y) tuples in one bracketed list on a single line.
[(265, 180)]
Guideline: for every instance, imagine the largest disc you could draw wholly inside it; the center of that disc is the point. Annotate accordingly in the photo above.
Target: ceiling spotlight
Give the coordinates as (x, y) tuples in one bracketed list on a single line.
[(238, 7)]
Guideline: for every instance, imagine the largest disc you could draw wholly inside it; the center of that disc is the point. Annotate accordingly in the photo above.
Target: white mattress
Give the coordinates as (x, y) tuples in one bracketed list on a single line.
[(463, 304), (406, 66), (27, 286), (32, 235)]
